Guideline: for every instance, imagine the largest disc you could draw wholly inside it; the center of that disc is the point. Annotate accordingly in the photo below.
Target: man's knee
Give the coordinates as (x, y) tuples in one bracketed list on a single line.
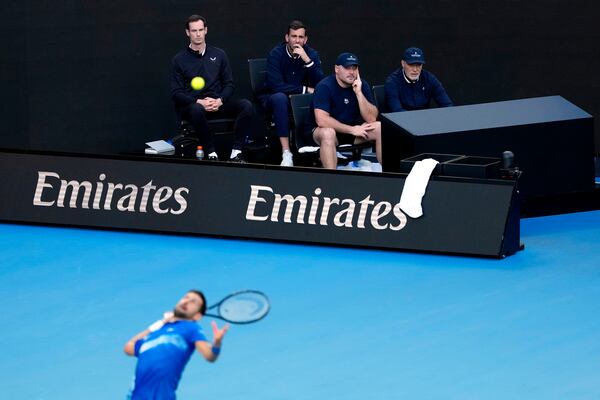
[(196, 111), (375, 134), (246, 106), (326, 136), (278, 100), (378, 130)]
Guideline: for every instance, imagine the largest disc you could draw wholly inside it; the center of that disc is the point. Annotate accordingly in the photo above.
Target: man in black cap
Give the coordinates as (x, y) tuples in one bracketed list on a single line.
[(344, 111), (411, 87)]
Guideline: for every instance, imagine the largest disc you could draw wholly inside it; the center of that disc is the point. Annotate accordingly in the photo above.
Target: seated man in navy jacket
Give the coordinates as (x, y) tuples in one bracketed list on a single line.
[(214, 100), (411, 87), (292, 68)]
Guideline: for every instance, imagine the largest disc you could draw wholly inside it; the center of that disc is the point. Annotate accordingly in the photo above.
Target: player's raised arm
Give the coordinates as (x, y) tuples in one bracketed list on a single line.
[(211, 351), (368, 111)]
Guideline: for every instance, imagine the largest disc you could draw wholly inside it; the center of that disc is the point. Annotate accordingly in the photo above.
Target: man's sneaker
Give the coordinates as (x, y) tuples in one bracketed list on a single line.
[(362, 163), (238, 159), (287, 159)]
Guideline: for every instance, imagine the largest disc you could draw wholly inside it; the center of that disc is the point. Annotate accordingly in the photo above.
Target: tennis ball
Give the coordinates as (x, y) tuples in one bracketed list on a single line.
[(197, 83)]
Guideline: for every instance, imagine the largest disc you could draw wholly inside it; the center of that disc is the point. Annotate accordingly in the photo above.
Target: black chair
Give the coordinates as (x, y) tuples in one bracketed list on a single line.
[(309, 150), (222, 129), (379, 94), (264, 141), (257, 67), (258, 73), (308, 153)]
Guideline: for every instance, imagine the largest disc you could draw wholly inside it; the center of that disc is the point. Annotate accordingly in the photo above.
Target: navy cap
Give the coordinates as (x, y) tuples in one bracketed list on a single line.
[(413, 55), (346, 60)]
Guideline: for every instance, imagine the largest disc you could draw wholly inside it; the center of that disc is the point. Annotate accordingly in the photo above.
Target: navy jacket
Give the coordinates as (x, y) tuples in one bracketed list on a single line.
[(213, 66), (401, 95), (290, 75)]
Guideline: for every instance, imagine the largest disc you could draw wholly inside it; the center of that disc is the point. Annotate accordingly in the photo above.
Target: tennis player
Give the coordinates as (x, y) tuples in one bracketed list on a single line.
[(165, 347)]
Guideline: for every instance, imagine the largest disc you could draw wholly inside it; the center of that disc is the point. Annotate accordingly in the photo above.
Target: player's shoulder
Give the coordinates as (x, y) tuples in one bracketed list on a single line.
[(428, 76), (327, 83), (394, 76), (188, 327), (193, 332), (278, 50), (180, 54), (310, 51), (213, 51)]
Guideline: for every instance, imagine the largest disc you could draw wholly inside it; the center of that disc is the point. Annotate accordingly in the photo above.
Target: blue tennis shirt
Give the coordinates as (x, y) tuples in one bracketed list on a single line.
[(162, 356)]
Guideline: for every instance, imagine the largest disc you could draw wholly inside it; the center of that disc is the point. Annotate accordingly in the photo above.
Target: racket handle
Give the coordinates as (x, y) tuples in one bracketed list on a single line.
[(159, 324), (156, 325)]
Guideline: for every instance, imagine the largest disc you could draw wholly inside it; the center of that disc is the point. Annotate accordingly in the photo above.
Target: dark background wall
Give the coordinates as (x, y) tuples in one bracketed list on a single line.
[(93, 76)]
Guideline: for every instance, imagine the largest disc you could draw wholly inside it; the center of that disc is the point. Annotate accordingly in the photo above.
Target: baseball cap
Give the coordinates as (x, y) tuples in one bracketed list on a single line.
[(413, 55), (346, 60)]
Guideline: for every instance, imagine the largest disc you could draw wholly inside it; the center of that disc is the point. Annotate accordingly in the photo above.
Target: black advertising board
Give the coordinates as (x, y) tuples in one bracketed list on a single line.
[(466, 216)]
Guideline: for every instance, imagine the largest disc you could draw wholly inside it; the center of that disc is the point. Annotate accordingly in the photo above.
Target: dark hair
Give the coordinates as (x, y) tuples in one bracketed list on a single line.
[(199, 293), (295, 25), (194, 18)]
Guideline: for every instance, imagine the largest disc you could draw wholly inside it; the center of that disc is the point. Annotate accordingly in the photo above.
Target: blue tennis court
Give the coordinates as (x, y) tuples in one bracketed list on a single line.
[(345, 323)]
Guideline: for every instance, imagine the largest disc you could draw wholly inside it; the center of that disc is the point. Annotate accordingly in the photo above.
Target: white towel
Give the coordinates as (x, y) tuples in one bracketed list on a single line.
[(308, 149), (414, 187)]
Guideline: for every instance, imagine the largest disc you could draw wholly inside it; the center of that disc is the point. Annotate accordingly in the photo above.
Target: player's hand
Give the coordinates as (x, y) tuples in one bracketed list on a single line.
[(359, 131), (368, 126), (206, 103), (298, 51), (218, 334), (310, 90), (210, 104), (213, 104), (357, 84), (218, 103)]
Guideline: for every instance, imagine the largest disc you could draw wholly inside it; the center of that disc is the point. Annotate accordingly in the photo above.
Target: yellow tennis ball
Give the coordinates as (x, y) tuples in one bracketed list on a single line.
[(197, 83)]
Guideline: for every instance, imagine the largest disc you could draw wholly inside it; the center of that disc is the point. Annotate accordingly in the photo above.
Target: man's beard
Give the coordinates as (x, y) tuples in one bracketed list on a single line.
[(179, 314)]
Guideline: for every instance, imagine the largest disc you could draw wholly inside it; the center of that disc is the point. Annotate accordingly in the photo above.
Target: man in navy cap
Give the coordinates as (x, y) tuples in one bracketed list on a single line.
[(411, 87), (344, 111)]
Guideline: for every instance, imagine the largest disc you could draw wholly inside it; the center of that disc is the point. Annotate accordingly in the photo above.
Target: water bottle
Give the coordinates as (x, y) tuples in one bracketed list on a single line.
[(199, 153), (508, 160)]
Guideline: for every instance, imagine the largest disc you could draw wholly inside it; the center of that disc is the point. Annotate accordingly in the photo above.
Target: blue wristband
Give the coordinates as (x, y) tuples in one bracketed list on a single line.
[(216, 350)]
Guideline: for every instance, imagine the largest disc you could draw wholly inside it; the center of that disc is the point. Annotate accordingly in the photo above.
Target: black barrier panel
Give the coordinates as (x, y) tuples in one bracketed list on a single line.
[(307, 205), (551, 138)]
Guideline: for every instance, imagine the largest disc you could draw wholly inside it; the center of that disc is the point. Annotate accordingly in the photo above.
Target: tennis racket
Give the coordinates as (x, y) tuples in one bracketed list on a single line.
[(241, 307)]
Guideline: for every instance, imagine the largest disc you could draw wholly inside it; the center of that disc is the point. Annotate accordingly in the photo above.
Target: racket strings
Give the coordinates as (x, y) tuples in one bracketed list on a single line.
[(244, 308)]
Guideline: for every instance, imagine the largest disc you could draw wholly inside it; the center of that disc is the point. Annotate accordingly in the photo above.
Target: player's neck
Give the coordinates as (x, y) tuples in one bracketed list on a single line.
[(198, 48)]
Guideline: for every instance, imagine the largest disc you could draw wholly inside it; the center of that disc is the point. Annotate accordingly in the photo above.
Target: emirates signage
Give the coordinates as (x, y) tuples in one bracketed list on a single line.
[(476, 217)]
